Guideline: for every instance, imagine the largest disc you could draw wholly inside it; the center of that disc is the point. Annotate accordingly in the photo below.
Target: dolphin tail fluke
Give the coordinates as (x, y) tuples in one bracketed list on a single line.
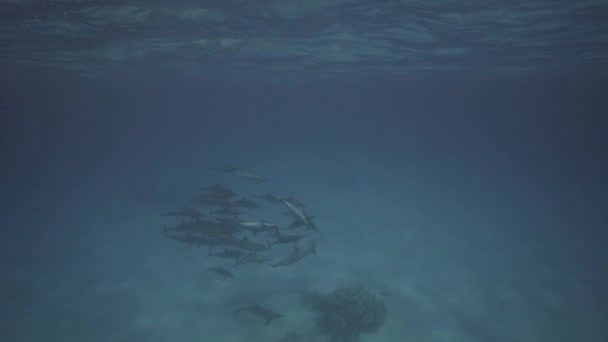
[(310, 224)]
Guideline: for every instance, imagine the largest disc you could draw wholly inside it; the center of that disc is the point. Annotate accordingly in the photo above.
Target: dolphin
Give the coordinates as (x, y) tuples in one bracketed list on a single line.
[(299, 253), (202, 227), (252, 247), (214, 201), (191, 240), (229, 212), (184, 212), (227, 254), (270, 198), (221, 272), (295, 211), (250, 177), (261, 312), (227, 167), (251, 259), (257, 226), (300, 216), (280, 238), (218, 191), (242, 203)]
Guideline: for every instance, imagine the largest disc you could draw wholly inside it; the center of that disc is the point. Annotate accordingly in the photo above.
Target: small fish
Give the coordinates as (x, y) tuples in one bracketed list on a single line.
[(222, 272), (261, 312)]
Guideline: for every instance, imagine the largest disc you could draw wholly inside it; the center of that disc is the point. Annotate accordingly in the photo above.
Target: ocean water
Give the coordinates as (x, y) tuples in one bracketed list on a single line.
[(458, 177)]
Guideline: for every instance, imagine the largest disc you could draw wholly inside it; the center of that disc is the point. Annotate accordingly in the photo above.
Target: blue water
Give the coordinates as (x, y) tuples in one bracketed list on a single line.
[(477, 217), (460, 180)]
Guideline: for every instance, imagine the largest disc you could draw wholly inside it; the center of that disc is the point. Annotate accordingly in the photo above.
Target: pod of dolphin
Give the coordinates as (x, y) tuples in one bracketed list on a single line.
[(216, 221)]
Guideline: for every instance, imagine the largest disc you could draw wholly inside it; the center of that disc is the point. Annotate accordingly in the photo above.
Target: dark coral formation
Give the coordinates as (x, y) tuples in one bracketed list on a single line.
[(345, 313)]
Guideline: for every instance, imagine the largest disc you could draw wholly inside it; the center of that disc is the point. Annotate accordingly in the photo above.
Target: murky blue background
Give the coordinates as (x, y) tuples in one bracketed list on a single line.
[(452, 153)]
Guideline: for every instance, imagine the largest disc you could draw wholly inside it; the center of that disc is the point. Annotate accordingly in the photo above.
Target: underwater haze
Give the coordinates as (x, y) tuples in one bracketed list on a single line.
[(304, 171)]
